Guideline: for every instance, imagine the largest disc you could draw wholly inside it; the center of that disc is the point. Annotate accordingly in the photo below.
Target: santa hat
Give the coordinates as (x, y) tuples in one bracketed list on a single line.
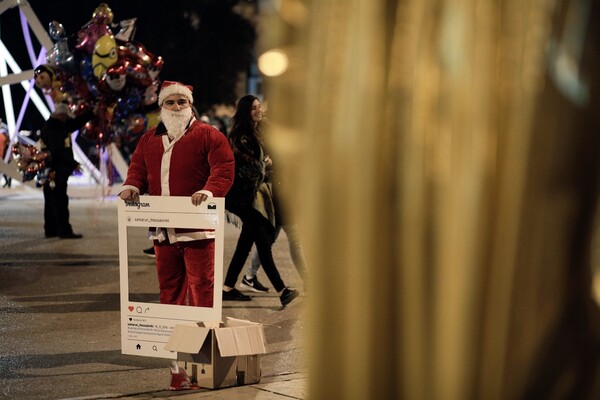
[(170, 87)]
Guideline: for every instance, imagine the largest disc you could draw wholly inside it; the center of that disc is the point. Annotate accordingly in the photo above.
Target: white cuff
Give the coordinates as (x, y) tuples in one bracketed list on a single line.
[(206, 192), (130, 187)]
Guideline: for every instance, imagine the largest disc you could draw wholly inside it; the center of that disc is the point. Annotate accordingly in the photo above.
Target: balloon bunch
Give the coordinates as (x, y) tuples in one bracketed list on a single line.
[(111, 73), (31, 162)]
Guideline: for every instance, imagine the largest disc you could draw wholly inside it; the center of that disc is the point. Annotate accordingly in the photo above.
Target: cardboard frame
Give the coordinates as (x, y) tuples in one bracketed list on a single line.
[(146, 327)]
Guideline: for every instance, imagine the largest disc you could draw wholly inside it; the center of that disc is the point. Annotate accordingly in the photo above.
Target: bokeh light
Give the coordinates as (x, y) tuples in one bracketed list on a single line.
[(273, 62)]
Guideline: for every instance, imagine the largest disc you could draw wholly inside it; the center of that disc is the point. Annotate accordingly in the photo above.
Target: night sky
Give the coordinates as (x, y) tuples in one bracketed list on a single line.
[(203, 42)]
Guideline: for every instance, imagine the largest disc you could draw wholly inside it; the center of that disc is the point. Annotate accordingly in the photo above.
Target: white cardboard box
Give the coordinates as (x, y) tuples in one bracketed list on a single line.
[(219, 356)]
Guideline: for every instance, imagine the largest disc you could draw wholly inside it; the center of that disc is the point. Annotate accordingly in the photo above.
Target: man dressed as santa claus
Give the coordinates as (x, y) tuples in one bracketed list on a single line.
[(181, 157)]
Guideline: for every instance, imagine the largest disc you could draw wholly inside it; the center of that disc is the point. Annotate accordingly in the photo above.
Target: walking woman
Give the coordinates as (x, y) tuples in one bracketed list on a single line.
[(251, 200)]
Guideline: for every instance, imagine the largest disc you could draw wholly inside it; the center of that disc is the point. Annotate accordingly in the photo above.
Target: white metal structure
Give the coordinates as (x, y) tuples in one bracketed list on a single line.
[(92, 176)]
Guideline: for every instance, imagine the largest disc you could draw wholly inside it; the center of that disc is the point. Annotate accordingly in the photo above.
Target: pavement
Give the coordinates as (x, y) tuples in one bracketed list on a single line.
[(60, 321)]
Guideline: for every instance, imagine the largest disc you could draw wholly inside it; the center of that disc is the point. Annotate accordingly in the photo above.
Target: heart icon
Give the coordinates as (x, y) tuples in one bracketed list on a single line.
[(130, 308)]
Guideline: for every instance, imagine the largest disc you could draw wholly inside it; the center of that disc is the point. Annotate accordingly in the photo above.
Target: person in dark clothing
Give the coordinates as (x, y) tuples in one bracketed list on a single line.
[(56, 139), (251, 199)]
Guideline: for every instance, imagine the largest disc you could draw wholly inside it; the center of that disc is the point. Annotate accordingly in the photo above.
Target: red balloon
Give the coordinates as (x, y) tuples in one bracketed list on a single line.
[(138, 53), (116, 76), (137, 74), (29, 160), (33, 167), (22, 165), (98, 130), (40, 156), (89, 34), (125, 53), (79, 88), (89, 131), (136, 124)]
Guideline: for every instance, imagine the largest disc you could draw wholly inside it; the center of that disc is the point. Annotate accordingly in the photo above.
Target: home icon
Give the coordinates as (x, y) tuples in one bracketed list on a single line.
[(139, 347)]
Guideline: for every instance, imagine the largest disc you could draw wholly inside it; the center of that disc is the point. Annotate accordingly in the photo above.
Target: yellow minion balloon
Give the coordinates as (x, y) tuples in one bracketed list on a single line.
[(105, 54), (103, 14)]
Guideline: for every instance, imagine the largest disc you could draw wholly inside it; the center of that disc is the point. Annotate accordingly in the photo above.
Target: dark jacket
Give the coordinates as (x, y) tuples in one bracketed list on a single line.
[(249, 171), (56, 138)]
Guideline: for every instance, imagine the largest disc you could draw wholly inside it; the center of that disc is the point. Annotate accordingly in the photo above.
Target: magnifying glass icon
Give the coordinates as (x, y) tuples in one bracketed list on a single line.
[(154, 348)]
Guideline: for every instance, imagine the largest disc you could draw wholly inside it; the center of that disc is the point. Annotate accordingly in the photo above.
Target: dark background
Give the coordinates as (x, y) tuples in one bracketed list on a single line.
[(205, 43)]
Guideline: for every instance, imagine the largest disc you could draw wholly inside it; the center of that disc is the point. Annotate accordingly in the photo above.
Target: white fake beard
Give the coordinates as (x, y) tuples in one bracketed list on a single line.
[(176, 121)]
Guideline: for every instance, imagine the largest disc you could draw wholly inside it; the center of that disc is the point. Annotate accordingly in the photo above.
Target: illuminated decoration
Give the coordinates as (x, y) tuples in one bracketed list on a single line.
[(25, 78)]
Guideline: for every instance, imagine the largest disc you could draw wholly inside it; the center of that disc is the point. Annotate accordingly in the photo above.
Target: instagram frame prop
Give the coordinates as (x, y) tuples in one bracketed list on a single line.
[(146, 327)]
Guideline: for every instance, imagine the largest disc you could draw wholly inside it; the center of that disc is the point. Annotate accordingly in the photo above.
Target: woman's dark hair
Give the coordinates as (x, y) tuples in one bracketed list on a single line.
[(241, 122)]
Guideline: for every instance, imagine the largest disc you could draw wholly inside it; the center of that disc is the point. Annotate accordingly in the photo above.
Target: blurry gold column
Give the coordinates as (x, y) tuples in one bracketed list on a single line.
[(412, 135)]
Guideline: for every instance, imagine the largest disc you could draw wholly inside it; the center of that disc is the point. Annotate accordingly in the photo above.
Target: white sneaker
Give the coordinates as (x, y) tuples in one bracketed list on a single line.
[(253, 284)]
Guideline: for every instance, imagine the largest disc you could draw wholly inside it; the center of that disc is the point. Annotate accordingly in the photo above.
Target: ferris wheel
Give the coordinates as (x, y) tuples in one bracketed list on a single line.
[(94, 181)]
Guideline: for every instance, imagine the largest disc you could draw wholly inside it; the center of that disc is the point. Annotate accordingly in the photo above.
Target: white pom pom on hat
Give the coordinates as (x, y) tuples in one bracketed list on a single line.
[(171, 87)]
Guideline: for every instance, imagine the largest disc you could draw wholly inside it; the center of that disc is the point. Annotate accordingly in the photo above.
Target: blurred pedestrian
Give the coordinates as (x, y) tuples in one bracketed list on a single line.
[(251, 200), (181, 157), (250, 280)]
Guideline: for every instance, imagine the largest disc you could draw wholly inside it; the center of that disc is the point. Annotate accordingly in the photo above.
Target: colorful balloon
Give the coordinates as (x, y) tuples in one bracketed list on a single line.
[(85, 66), (136, 124), (87, 73), (56, 31), (112, 74), (32, 167), (116, 77), (155, 68), (90, 131), (29, 160), (22, 165), (49, 80), (41, 177), (127, 30), (136, 52), (103, 14), (80, 92), (128, 103), (60, 56), (105, 55), (153, 118), (151, 93), (137, 74), (89, 35), (45, 76)]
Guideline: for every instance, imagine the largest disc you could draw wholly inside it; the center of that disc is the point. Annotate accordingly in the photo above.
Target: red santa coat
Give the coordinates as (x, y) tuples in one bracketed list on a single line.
[(200, 160)]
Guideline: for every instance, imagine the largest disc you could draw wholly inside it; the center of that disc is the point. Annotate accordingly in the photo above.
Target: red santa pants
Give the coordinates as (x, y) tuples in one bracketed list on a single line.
[(186, 269)]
